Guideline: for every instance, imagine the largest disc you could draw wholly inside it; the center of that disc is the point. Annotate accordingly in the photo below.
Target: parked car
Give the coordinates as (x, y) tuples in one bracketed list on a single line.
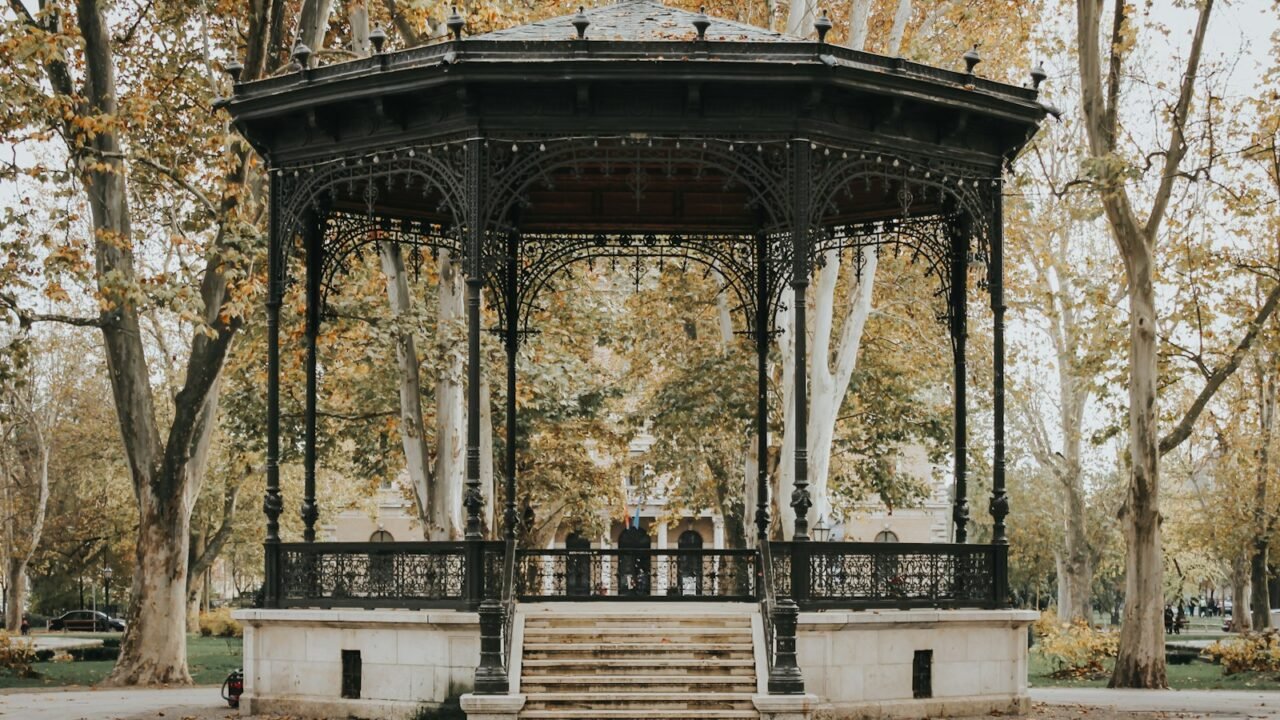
[(86, 621)]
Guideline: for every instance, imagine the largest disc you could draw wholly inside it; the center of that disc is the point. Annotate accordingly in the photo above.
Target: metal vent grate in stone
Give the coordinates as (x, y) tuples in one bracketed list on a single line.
[(922, 674), (351, 670)]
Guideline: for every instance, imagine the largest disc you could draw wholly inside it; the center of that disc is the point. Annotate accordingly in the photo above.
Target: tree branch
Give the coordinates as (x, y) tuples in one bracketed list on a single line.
[(182, 182), (1177, 135), (1182, 430)]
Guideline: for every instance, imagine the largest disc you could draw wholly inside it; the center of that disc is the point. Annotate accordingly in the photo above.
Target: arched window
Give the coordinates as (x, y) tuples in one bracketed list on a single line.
[(381, 566), (689, 568), (886, 536)]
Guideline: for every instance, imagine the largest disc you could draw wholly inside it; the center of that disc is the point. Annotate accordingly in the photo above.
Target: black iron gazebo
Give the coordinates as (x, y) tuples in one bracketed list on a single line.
[(635, 130)]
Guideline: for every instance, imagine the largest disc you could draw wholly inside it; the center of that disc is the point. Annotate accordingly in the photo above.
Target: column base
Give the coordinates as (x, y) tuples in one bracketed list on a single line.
[(492, 707), (785, 707)]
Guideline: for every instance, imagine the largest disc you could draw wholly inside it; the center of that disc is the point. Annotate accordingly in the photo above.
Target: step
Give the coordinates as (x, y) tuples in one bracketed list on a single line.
[(638, 701), (728, 621), (647, 629), (640, 714), (650, 684), (618, 635), (656, 653), (611, 667), (648, 645)]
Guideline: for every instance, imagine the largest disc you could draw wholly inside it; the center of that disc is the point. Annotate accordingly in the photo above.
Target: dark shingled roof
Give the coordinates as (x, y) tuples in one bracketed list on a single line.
[(638, 20)]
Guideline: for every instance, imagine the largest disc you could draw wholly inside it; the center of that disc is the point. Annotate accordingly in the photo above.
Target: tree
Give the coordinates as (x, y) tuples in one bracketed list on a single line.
[(66, 69), (24, 476), (1110, 168), (1063, 286)]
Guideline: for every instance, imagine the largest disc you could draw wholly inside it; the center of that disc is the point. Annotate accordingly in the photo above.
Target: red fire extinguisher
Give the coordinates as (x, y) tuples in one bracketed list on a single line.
[(233, 688)]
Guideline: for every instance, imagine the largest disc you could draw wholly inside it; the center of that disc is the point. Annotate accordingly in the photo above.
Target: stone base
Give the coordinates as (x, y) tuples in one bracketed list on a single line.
[(312, 708), (492, 707), (409, 660), (785, 707), (949, 707), (861, 663)]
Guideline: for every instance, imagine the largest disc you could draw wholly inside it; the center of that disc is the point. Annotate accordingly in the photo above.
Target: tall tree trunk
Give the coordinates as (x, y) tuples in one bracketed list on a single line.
[(194, 587), (15, 593), (1259, 595), (18, 556), (1075, 574), (1240, 593), (1141, 660), (417, 455), (446, 498), (1264, 519), (800, 18), (1140, 663)]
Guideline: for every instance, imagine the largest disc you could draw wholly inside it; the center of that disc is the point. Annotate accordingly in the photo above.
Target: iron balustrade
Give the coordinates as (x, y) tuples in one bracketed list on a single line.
[(815, 575), (375, 575), (636, 574), (860, 575)]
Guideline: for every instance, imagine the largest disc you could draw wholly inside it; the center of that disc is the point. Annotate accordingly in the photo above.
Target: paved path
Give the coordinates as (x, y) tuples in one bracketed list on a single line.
[(203, 702), (1190, 703)]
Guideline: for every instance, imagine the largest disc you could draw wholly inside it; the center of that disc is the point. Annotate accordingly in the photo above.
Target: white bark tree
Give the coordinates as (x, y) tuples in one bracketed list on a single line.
[(24, 494), (831, 364), (1141, 661)]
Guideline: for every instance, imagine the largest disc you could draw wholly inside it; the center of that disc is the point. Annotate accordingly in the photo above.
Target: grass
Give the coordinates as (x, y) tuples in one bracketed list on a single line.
[(1198, 675), (209, 659)]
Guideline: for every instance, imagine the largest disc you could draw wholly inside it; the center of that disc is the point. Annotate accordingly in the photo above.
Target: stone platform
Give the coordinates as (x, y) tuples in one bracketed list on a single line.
[(408, 659)]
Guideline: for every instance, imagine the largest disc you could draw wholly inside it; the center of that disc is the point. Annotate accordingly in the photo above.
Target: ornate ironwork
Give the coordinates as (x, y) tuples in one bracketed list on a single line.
[(897, 575), (636, 574), (404, 574)]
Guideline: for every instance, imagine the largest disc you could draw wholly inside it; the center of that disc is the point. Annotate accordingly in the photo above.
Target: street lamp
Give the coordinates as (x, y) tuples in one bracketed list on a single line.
[(821, 531), (106, 586)]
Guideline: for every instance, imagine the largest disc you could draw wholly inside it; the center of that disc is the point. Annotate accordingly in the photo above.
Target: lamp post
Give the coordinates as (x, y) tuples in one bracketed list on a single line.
[(106, 589), (821, 531)]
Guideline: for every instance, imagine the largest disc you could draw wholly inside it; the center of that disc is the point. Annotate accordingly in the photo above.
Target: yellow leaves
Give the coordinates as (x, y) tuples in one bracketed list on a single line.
[(1258, 652), (1077, 649)]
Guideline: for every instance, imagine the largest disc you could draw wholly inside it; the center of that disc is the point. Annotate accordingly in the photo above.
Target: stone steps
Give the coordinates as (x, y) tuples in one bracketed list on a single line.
[(638, 664), (598, 714), (639, 667), (650, 682), (638, 701)]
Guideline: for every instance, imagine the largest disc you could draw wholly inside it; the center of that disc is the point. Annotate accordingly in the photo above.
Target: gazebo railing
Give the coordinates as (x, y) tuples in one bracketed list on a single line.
[(374, 575), (861, 575), (815, 575), (636, 574)]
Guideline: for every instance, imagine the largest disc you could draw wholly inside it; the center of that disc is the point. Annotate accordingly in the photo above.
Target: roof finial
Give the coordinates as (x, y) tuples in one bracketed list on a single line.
[(301, 53), (580, 22), (971, 59), (456, 23), (702, 22), (378, 37), (823, 26), (1038, 75), (234, 68)]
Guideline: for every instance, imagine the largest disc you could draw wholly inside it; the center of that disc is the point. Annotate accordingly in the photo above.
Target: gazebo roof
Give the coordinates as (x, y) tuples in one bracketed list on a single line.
[(638, 20)]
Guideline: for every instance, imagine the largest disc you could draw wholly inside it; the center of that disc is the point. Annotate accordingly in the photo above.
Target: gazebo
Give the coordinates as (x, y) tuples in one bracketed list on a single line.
[(635, 130)]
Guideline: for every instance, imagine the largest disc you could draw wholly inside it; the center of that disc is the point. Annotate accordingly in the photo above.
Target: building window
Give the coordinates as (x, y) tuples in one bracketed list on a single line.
[(381, 565), (886, 536)]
